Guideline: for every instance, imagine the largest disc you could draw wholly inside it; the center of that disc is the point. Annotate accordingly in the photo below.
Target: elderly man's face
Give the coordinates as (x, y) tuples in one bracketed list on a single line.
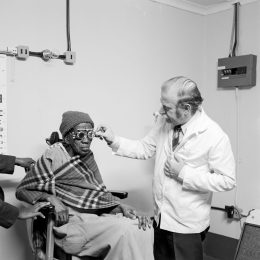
[(80, 138)]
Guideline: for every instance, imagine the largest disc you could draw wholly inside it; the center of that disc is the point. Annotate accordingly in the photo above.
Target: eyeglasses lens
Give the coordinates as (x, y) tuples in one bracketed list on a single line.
[(79, 135)]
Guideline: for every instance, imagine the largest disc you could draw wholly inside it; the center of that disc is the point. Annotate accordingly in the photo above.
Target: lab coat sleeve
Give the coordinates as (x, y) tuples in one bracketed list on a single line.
[(218, 175), (137, 149), (7, 164), (8, 214)]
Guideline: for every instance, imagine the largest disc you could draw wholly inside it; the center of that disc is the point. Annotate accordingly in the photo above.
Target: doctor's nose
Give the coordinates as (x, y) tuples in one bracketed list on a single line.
[(162, 111)]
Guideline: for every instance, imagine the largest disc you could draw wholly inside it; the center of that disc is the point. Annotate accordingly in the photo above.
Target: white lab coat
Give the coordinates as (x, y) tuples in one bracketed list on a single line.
[(209, 167)]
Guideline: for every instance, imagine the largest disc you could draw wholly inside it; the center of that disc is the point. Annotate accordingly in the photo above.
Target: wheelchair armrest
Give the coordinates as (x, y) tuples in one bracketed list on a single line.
[(36, 243), (119, 194), (47, 210)]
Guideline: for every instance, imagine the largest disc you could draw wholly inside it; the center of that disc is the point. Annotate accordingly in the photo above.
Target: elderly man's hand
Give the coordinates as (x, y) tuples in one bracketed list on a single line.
[(172, 168), (61, 211), (129, 212), (144, 222), (105, 132), (126, 210)]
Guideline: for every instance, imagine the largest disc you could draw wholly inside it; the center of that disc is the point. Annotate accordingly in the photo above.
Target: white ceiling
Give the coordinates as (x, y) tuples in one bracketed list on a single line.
[(207, 2), (203, 7)]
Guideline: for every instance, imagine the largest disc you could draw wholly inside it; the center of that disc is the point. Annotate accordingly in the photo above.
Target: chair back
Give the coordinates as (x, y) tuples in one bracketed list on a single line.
[(54, 138)]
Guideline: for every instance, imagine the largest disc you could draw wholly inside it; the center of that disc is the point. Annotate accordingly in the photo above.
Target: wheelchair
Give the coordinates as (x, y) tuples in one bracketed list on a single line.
[(40, 231)]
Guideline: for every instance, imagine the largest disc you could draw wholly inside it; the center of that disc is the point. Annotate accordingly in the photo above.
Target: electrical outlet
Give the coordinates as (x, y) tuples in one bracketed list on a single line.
[(233, 212), (70, 57), (230, 211), (22, 52)]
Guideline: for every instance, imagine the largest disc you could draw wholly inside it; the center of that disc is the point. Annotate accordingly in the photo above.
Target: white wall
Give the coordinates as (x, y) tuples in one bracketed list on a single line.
[(125, 49), (221, 105)]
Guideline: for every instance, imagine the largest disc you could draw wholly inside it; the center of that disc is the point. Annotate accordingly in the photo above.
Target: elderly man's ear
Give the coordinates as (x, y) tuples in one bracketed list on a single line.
[(66, 139)]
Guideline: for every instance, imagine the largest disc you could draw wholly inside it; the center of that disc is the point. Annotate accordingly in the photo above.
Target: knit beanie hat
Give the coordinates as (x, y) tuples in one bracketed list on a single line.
[(73, 118)]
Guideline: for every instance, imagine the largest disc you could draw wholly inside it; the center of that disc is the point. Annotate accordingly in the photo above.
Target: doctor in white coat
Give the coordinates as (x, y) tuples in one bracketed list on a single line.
[(191, 163)]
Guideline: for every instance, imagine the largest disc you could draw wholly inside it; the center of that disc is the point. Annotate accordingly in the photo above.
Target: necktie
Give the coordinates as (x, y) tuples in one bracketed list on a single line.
[(176, 136)]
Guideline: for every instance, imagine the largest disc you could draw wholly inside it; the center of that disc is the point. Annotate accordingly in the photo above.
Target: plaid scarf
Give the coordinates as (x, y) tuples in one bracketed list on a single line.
[(77, 183)]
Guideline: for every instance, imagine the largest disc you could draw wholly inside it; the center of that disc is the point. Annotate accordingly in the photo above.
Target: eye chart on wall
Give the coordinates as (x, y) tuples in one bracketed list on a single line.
[(3, 104)]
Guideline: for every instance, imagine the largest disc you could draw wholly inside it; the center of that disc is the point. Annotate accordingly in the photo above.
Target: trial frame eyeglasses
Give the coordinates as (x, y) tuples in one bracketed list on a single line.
[(81, 134)]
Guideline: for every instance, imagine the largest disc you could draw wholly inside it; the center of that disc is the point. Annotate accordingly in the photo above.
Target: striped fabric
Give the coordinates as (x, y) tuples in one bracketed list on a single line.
[(77, 183)]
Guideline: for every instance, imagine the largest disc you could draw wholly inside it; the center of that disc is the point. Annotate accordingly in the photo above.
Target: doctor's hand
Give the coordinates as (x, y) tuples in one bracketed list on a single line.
[(105, 132), (173, 167)]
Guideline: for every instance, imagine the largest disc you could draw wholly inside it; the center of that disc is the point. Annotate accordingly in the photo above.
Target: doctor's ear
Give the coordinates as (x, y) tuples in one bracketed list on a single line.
[(187, 107)]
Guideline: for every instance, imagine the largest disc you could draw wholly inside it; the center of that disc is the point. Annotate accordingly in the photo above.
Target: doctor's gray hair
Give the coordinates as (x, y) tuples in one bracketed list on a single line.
[(188, 92)]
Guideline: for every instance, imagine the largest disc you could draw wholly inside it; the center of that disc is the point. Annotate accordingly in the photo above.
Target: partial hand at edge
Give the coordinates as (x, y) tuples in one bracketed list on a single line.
[(24, 162), (32, 211)]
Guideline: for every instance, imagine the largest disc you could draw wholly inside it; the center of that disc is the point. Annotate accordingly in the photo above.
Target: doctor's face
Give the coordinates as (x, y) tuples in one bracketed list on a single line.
[(170, 109)]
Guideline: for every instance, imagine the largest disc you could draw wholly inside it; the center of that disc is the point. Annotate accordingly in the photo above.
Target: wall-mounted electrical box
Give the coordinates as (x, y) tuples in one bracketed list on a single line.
[(237, 71)]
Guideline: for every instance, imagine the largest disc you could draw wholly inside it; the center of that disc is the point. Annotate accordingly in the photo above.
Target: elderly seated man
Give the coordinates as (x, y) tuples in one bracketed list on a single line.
[(87, 223)]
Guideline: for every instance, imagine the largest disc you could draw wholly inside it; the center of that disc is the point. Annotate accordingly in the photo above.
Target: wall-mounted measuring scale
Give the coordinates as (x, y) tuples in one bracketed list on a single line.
[(3, 104)]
